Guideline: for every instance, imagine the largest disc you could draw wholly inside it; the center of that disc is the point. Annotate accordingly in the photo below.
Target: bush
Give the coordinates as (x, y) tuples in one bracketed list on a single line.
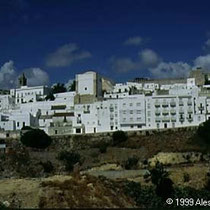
[(131, 163), (50, 97), (47, 166), (159, 177), (69, 159), (118, 137), (143, 196), (204, 132), (103, 147), (186, 177), (36, 138), (26, 128)]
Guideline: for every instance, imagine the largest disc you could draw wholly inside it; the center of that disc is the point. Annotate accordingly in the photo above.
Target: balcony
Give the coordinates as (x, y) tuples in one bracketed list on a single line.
[(165, 104), (190, 119), (157, 104), (165, 112), (172, 103), (166, 119), (157, 112), (157, 119), (189, 103), (201, 108), (173, 119), (181, 103), (190, 111), (173, 111), (181, 111), (181, 120)]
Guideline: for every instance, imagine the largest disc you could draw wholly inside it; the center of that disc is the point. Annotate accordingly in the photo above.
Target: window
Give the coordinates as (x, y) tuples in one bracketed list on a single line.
[(138, 104), (131, 111), (138, 118), (173, 125), (78, 130), (131, 104), (18, 124), (124, 104), (149, 113), (131, 119), (149, 119), (148, 106), (124, 111), (138, 111), (85, 88), (124, 119)]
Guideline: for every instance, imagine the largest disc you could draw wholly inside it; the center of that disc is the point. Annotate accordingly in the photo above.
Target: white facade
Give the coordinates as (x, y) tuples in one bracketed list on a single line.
[(128, 106)]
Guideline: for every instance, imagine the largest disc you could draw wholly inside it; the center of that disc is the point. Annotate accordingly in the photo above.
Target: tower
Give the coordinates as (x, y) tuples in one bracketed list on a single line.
[(22, 80)]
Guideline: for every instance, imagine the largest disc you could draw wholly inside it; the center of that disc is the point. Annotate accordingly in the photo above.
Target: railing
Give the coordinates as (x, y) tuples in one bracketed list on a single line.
[(172, 103)]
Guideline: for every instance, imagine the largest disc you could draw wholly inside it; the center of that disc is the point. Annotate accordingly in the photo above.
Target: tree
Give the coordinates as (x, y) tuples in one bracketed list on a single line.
[(50, 97), (36, 138), (58, 88), (118, 137), (26, 128), (204, 132), (69, 159), (73, 86), (159, 177)]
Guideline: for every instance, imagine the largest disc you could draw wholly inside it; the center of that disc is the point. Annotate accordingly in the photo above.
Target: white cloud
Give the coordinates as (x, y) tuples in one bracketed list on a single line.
[(147, 59), (66, 55), (206, 46), (69, 83), (203, 61), (7, 75), (137, 40), (36, 76), (123, 65), (170, 70)]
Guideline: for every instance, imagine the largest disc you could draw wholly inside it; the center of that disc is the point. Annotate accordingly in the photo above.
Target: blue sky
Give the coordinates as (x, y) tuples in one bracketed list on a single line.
[(52, 40)]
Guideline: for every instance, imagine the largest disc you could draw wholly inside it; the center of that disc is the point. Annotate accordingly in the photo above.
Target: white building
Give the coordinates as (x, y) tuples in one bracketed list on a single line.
[(126, 106)]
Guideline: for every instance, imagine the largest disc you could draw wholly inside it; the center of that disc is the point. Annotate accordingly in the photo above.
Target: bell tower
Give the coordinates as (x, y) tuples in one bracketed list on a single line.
[(22, 80)]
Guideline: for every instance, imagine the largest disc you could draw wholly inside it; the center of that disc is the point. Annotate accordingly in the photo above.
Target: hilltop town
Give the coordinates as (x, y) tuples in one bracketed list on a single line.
[(99, 105)]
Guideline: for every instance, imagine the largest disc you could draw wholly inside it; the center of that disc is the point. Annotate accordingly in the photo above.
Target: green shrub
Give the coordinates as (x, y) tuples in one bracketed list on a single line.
[(36, 138), (159, 177), (131, 163), (204, 132), (50, 97), (103, 147), (26, 128), (47, 166), (186, 177), (69, 159), (118, 137), (144, 196)]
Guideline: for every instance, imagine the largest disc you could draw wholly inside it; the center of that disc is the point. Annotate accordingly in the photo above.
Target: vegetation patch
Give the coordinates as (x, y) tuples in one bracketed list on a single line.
[(36, 138)]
